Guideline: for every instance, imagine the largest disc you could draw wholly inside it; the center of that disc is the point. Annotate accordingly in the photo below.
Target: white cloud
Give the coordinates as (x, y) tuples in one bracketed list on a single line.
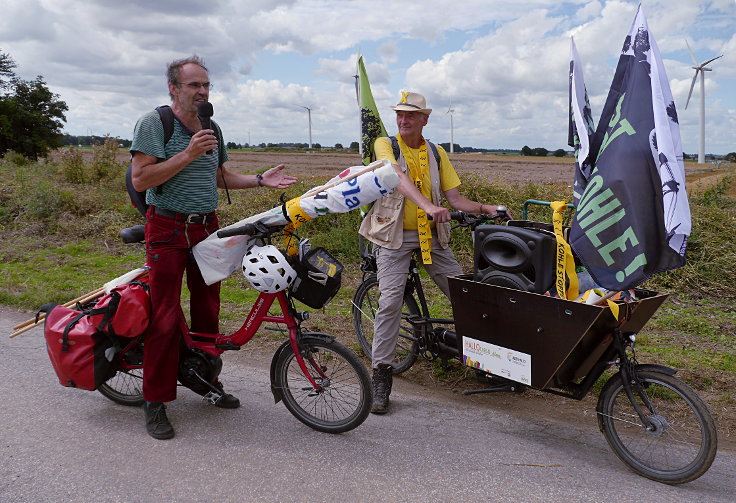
[(501, 64)]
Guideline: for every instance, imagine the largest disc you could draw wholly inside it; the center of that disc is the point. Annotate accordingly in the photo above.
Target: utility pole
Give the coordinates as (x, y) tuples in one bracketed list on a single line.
[(309, 113), (452, 130)]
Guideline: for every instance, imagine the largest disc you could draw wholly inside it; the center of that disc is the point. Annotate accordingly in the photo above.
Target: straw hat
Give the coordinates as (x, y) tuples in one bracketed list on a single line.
[(412, 102)]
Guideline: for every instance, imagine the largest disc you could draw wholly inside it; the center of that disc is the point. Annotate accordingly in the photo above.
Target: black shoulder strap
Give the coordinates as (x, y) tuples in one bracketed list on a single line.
[(167, 119), (396, 149)]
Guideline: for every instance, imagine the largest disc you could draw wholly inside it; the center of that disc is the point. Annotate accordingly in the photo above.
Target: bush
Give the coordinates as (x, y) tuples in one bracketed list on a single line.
[(71, 166), (104, 163), (16, 159)]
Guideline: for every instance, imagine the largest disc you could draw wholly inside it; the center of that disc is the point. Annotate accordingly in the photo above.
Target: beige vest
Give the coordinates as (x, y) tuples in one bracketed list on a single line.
[(384, 223)]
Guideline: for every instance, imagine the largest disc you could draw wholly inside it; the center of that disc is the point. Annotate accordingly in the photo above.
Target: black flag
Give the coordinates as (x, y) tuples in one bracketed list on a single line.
[(581, 127), (633, 217)]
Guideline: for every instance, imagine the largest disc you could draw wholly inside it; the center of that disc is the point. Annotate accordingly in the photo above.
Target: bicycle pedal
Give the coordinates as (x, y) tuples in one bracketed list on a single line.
[(212, 397)]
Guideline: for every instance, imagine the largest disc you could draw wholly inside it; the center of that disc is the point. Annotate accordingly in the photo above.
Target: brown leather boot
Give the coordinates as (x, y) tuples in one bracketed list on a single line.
[(382, 382)]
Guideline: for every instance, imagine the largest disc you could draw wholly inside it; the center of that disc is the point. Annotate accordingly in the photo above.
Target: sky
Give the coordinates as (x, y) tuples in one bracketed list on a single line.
[(500, 66)]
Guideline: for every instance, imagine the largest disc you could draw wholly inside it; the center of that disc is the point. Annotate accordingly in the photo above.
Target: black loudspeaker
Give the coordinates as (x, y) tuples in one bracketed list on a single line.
[(514, 257)]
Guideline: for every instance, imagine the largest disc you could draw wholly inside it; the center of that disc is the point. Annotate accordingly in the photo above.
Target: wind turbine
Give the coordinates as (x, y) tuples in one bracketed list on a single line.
[(700, 68), (452, 129), (309, 112)]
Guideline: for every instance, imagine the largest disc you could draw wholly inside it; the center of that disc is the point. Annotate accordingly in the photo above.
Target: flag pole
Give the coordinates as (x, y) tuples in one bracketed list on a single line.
[(357, 99)]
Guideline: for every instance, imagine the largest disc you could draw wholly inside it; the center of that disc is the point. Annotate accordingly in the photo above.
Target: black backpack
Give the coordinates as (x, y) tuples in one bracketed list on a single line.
[(138, 197)]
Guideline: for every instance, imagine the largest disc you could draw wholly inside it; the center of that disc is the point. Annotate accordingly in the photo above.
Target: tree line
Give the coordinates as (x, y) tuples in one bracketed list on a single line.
[(31, 116)]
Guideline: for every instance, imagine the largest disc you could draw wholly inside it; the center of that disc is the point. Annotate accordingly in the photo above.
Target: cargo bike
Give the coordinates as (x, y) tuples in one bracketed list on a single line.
[(516, 337)]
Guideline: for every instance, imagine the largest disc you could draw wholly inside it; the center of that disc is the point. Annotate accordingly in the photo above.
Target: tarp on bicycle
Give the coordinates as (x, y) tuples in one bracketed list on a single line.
[(217, 258)]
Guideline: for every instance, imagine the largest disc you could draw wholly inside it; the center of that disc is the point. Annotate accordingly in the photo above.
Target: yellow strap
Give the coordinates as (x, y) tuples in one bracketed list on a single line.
[(563, 257), (298, 217), (423, 228), (290, 243), (614, 308), (611, 304)]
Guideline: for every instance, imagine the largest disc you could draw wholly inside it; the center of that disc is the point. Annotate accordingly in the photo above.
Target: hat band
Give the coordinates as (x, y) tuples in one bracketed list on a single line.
[(409, 105)]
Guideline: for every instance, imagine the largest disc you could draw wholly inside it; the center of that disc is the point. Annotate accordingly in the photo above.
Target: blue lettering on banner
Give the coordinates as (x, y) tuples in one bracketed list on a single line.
[(352, 202), (380, 187)]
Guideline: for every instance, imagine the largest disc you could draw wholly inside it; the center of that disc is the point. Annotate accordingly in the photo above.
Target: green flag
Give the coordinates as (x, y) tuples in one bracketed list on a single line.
[(371, 126)]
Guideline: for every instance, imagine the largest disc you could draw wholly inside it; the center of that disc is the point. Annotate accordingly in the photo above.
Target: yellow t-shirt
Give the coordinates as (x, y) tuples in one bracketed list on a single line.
[(448, 177)]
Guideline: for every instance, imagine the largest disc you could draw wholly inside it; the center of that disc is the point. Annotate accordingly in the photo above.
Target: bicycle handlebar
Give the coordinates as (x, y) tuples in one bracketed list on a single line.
[(257, 230), (248, 229), (472, 219)]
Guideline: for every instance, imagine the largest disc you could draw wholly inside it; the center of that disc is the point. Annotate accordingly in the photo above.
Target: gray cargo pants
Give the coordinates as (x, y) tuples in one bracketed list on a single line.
[(393, 266)]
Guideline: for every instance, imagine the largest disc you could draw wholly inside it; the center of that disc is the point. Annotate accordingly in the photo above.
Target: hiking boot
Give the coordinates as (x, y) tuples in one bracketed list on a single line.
[(382, 382), (226, 401), (157, 424)]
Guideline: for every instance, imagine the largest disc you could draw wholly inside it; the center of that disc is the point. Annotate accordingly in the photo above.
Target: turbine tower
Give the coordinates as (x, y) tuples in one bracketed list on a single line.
[(309, 113), (452, 129), (700, 68)]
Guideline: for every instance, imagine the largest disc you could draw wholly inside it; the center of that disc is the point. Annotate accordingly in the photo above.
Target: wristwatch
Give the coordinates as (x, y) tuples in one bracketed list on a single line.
[(259, 177)]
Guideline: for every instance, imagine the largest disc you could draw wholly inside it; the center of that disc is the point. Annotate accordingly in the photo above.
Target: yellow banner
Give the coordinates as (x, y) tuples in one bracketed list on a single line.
[(415, 172), (563, 257)]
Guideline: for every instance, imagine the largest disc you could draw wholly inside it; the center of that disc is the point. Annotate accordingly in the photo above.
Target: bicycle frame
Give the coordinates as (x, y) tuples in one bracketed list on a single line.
[(216, 344), (429, 349)]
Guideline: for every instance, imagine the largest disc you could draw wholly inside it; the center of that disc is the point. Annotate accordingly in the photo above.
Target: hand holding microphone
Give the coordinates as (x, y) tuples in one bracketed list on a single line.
[(205, 113)]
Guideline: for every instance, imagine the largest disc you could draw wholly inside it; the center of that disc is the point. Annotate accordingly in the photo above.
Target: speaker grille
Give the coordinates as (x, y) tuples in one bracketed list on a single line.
[(525, 256)]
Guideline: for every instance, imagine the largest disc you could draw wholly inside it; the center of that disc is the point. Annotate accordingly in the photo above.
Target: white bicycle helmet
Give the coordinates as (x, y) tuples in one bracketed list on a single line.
[(267, 270)]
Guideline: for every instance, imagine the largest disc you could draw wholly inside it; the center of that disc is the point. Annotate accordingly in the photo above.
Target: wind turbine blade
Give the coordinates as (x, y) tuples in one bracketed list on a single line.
[(695, 77), (710, 60), (692, 55)]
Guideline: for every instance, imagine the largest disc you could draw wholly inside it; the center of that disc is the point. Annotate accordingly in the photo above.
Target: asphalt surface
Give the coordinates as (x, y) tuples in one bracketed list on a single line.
[(60, 444)]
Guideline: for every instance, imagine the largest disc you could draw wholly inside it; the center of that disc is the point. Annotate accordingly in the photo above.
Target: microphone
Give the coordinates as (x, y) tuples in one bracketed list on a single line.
[(205, 112)]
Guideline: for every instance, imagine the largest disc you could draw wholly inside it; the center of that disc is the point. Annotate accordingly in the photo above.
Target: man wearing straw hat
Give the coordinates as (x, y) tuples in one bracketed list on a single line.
[(399, 223), (181, 177)]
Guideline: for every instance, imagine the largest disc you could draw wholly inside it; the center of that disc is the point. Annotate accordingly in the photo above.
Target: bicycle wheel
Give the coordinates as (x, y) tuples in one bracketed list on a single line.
[(126, 386), (344, 401), (365, 305), (679, 445)]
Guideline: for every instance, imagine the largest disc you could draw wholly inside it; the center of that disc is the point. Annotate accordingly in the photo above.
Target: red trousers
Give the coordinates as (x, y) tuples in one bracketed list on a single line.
[(168, 255)]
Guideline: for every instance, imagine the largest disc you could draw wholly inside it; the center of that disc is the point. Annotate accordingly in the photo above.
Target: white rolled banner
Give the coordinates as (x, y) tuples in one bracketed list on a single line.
[(356, 186)]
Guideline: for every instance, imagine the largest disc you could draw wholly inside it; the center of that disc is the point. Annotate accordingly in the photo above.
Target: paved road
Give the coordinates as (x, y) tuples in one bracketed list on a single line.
[(59, 444)]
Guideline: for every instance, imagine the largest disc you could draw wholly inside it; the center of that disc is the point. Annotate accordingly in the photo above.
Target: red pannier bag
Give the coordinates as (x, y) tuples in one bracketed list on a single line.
[(125, 311), (82, 343), (80, 354)]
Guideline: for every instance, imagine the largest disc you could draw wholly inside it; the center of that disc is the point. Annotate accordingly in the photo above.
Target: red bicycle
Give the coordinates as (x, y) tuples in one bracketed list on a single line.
[(321, 382)]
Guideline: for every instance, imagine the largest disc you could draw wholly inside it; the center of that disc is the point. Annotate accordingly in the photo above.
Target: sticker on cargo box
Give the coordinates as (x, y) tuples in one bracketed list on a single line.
[(498, 360)]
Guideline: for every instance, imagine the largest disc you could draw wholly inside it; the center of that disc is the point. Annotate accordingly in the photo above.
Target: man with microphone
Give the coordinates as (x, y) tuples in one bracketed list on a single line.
[(181, 177)]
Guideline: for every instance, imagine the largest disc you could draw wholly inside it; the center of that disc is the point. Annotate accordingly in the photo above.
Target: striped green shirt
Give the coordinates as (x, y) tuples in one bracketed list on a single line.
[(194, 188)]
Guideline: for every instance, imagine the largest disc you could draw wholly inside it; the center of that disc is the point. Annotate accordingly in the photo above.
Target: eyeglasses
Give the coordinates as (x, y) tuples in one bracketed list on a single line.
[(196, 85)]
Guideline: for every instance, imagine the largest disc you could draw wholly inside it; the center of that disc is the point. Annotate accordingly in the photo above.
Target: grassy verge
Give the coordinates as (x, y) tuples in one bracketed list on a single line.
[(59, 224)]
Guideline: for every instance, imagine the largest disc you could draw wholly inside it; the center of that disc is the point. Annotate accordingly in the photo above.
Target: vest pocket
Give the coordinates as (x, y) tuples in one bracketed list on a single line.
[(383, 218)]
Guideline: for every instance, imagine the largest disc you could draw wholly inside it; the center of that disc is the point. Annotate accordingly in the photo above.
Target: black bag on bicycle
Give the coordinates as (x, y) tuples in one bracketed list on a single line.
[(318, 278)]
